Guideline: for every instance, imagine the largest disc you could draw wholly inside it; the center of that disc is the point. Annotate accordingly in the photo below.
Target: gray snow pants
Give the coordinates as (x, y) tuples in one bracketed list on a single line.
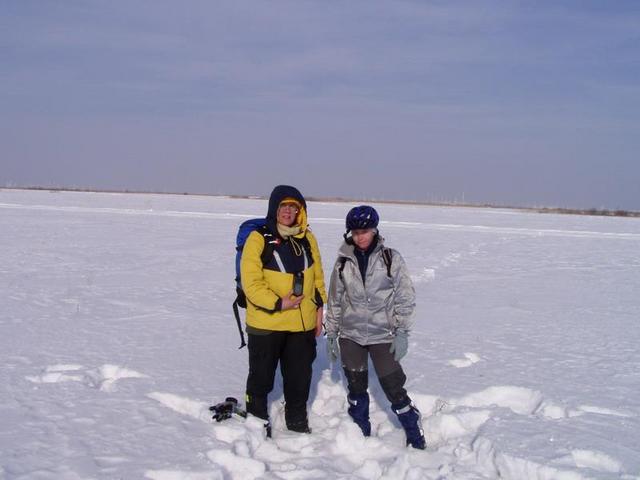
[(355, 362)]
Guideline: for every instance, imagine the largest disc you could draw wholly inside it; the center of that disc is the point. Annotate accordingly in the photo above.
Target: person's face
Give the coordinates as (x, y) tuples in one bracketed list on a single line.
[(363, 237), (287, 213)]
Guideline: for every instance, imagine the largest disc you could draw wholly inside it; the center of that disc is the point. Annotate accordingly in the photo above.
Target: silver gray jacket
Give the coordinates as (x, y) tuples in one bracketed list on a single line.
[(369, 312)]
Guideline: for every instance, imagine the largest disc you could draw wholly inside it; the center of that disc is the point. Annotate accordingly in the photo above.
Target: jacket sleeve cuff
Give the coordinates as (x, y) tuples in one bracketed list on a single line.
[(276, 308)]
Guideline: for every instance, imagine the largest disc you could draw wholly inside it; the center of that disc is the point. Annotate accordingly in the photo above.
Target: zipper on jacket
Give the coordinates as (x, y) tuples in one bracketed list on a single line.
[(301, 318)]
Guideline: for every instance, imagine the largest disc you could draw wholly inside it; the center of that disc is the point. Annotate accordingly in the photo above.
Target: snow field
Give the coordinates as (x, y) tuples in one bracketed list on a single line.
[(117, 334)]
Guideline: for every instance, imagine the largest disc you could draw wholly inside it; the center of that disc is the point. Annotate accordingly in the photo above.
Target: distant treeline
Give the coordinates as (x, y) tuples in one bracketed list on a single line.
[(557, 210), (591, 211)]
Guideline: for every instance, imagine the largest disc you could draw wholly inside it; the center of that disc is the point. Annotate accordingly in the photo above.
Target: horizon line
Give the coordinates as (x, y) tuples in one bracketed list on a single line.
[(341, 199)]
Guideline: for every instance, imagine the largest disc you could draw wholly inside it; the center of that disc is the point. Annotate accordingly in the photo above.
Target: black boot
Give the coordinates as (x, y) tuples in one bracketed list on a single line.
[(257, 406), (301, 426), (296, 419), (411, 421)]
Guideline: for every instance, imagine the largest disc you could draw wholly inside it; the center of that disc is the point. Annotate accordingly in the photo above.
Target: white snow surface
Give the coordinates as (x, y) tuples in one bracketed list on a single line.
[(116, 334)]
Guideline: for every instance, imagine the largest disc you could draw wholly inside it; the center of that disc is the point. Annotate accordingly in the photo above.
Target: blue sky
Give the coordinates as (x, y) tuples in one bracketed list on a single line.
[(510, 103)]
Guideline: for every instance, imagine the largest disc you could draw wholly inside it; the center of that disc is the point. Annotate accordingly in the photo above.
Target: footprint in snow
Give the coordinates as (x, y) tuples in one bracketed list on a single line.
[(103, 378), (591, 459), (58, 373), (470, 359), (582, 409), (427, 275)]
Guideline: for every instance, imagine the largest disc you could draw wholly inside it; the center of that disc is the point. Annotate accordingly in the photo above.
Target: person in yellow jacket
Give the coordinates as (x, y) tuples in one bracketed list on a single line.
[(285, 299)]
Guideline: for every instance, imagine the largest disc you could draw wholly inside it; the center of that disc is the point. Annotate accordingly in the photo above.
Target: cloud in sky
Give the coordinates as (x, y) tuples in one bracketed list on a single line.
[(527, 103)]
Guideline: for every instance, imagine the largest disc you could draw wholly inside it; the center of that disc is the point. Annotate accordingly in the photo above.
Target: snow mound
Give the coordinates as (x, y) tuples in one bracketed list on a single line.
[(520, 400), (182, 405)]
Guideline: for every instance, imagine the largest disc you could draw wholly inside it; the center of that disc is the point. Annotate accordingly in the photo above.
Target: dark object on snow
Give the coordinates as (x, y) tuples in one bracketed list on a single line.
[(226, 409)]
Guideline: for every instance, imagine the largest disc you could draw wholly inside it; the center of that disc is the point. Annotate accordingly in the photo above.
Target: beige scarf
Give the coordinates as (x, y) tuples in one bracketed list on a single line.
[(289, 233), (286, 232)]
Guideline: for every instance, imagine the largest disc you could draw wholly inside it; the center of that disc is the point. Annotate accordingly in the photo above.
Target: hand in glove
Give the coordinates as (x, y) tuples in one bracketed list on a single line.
[(400, 345), (333, 352)]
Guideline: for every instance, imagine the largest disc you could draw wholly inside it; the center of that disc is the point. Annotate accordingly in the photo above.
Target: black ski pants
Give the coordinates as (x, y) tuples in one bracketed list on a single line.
[(355, 363), (295, 351)]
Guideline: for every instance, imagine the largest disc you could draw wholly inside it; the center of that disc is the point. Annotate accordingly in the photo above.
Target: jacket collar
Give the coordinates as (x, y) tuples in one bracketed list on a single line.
[(348, 250)]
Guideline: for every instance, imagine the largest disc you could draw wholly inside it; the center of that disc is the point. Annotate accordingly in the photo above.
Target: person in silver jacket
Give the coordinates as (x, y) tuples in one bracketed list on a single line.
[(369, 314)]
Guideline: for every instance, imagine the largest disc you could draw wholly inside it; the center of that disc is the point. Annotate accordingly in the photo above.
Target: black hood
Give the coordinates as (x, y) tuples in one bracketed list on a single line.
[(280, 193)]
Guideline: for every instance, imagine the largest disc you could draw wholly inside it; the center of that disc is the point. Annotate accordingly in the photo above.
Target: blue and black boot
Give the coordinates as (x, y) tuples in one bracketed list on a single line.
[(359, 411), (411, 421)]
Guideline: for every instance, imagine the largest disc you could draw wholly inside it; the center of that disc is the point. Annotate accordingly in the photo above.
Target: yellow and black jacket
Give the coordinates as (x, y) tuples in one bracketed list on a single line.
[(265, 284)]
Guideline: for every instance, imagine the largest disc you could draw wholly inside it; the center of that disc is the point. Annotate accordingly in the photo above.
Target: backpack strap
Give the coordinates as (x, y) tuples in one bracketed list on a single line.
[(236, 313), (308, 253), (387, 257), (270, 242), (342, 260)]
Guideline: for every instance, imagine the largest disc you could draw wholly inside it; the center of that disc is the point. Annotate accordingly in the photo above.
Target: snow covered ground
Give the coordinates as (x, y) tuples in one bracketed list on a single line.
[(116, 334)]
